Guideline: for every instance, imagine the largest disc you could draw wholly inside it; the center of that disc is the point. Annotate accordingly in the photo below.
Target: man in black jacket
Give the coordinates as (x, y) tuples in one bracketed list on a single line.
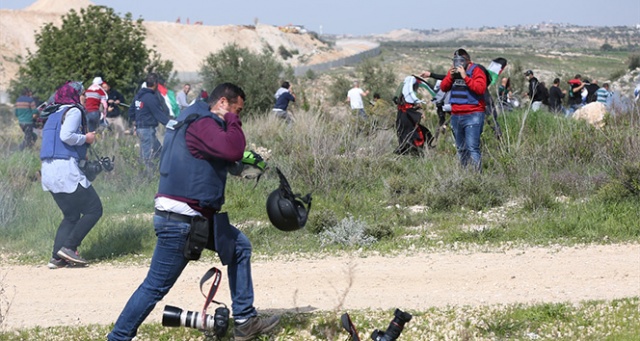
[(535, 93)]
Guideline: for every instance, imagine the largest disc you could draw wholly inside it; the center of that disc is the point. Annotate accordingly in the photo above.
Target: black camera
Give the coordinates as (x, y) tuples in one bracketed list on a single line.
[(91, 168), (218, 323), (395, 327)]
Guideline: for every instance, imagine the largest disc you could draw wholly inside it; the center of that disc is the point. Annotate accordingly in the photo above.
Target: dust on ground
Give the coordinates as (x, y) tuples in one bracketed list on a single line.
[(97, 294)]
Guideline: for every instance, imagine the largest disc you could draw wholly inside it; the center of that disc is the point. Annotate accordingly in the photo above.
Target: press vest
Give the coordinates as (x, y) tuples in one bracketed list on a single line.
[(182, 174), (460, 93), (52, 145)]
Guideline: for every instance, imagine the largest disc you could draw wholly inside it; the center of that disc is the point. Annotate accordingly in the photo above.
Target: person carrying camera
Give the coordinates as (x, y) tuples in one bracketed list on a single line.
[(65, 141), (198, 148), (467, 83)]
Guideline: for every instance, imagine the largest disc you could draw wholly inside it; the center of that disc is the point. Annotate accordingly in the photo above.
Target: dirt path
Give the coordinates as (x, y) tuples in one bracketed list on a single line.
[(97, 294)]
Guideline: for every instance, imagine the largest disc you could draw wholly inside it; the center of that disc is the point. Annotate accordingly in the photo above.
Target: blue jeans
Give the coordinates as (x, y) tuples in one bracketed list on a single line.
[(150, 147), (166, 266), (467, 130), (93, 120)]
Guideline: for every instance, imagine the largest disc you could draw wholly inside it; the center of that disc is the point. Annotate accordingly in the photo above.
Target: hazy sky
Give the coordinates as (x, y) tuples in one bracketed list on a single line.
[(376, 16)]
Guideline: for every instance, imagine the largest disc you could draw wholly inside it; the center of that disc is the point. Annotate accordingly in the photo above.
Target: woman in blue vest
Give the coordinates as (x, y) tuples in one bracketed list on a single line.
[(64, 143), (467, 83)]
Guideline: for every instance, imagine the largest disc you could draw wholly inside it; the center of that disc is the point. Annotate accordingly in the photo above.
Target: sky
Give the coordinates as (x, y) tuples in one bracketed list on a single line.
[(376, 16)]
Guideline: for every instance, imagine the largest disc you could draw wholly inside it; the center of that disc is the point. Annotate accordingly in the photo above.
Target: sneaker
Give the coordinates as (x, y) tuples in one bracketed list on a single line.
[(71, 256), (254, 326), (57, 263)]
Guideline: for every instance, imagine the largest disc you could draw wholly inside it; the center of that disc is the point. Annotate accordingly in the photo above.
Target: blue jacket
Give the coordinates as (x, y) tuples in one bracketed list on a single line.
[(52, 145), (203, 180), (283, 101), (147, 110)]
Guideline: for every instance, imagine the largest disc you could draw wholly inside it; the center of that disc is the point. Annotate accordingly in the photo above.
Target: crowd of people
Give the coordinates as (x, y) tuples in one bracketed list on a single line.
[(204, 138)]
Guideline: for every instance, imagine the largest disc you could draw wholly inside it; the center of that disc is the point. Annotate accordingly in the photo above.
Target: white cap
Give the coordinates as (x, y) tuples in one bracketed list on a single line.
[(97, 81)]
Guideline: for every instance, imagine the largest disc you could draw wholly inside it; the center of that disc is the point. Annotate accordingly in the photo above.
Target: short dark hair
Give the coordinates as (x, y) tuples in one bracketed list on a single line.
[(462, 53), (286, 85), (376, 95), (556, 81), (229, 91), (152, 79)]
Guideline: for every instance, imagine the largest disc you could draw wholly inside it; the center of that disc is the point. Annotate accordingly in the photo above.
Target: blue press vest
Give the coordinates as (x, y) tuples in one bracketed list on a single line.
[(52, 145), (182, 174), (460, 93)]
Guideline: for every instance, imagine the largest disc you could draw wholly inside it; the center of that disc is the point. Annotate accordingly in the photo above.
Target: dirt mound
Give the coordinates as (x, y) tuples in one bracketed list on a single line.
[(183, 44)]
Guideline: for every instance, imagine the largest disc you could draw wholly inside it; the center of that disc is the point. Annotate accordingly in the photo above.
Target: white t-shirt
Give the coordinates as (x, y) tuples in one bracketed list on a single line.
[(355, 97)]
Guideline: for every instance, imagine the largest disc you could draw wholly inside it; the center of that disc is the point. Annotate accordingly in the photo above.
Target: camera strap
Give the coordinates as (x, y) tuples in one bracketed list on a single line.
[(349, 327), (217, 276)]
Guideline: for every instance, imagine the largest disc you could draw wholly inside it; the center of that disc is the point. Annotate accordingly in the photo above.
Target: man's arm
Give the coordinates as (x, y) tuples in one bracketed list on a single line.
[(207, 139)]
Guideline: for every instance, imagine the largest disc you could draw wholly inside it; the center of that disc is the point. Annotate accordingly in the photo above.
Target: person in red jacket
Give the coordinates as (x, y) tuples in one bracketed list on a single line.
[(467, 83), (95, 104)]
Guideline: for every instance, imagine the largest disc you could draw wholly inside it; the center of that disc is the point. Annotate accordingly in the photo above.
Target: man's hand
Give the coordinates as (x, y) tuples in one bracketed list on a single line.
[(90, 137), (425, 74)]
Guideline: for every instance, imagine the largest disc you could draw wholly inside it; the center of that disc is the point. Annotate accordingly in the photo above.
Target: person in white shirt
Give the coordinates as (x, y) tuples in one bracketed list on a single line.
[(354, 97), (181, 97)]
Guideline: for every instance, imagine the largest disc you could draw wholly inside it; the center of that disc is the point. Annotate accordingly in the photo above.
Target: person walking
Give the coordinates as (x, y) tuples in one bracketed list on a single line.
[(114, 114), (95, 104), (283, 96), (555, 97), (25, 108), (467, 84), (181, 96), (147, 112), (354, 97), (206, 138), (536, 92), (65, 140), (604, 94)]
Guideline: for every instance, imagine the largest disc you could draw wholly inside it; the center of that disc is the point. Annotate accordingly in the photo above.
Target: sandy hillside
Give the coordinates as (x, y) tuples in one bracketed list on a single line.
[(185, 45)]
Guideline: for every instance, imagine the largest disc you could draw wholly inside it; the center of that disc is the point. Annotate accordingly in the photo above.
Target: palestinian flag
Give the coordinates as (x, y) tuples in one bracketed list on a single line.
[(170, 99), (495, 68), (423, 84)]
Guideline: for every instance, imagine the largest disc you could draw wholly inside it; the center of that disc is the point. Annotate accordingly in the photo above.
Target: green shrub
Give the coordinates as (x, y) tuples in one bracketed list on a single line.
[(284, 53), (322, 220), (257, 74)]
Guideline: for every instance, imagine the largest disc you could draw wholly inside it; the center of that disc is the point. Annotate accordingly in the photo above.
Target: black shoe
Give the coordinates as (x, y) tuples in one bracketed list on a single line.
[(253, 326), (71, 256)]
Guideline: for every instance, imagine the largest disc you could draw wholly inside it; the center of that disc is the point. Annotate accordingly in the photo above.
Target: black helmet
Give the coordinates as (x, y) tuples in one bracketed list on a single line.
[(286, 210)]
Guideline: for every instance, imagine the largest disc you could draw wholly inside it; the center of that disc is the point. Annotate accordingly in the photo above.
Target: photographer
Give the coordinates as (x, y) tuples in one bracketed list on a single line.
[(468, 84), (65, 141), (198, 148)]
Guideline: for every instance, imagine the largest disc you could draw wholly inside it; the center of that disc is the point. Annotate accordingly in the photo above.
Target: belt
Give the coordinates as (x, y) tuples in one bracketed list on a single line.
[(174, 216)]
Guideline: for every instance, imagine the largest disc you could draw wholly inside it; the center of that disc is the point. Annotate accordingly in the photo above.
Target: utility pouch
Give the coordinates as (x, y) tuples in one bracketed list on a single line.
[(197, 239)]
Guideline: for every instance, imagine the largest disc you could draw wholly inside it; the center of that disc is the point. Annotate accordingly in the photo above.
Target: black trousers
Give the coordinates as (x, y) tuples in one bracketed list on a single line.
[(81, 210)]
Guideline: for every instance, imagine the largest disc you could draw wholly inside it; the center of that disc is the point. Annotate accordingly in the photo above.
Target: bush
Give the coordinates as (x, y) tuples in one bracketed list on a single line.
[(349, 232), (257, 74), (284, 53), (634, 61), (322, 221)]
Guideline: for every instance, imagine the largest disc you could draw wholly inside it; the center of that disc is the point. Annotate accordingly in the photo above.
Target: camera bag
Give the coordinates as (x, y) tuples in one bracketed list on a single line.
[(197, 238)]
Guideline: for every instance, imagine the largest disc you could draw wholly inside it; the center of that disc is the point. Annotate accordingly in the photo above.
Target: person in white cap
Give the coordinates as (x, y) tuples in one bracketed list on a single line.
[(95, 103)]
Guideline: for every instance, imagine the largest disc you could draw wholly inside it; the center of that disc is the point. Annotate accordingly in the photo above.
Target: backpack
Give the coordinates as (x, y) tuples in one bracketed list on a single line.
[(544, 93)]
